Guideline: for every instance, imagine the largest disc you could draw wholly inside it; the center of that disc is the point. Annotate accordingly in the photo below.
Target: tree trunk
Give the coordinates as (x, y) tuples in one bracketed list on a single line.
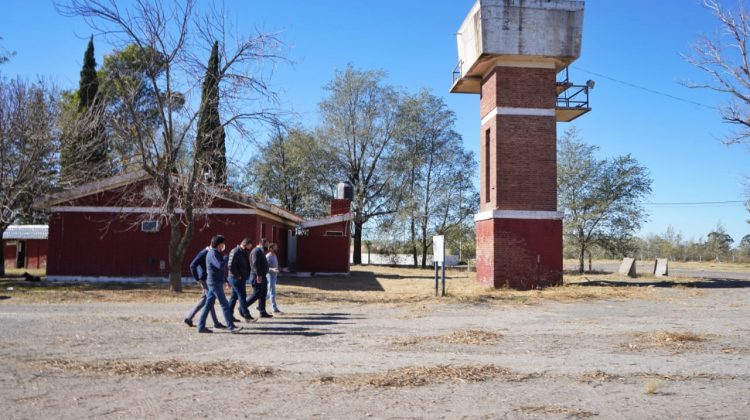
[(2, 253), (357, 237), (414, 241), (590, 262), (424, 244), (175, 257), (581, 257)]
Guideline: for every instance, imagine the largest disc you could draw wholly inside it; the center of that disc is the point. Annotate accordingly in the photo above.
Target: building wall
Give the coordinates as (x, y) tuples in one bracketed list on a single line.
[(36, 253), (518, 164), (320, 252), (100, 244), (518, 253), (323, 254), (275, 232)]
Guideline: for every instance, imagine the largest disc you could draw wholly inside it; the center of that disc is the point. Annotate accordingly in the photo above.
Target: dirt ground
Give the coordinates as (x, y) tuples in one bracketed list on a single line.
[(379, 344)]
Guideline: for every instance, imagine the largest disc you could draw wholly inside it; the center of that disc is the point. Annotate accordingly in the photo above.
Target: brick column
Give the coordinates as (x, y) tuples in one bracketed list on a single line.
[(519, 231)]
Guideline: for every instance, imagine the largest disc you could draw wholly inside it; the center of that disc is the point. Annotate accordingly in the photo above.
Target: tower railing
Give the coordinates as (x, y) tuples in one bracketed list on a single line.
[(457, 72)]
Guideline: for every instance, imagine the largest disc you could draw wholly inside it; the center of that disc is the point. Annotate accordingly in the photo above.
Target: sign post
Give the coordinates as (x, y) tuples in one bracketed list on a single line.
[(438, 257)]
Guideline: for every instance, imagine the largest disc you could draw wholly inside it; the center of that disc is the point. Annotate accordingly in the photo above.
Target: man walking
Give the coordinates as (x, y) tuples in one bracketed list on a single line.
[(259, 268), (215, 266), (239, 273), (198, 271)]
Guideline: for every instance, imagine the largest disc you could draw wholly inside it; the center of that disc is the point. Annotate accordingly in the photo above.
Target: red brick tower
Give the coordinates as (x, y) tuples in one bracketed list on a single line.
[(511, 52)]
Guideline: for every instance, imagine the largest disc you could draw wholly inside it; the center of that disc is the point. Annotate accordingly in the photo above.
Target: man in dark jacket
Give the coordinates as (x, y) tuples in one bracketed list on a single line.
[(239, 273), (198, 270), (259, 268), (216, 265)]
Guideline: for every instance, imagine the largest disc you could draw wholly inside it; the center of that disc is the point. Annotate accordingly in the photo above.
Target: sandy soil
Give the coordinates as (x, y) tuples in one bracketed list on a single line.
[(673, 352)]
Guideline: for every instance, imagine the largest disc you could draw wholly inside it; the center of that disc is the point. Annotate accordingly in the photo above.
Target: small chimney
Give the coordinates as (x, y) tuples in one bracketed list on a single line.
[(344, 190), (342, 203)]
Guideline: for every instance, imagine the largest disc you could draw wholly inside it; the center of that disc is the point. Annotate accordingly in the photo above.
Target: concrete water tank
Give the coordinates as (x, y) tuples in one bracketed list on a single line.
[(344, 190)]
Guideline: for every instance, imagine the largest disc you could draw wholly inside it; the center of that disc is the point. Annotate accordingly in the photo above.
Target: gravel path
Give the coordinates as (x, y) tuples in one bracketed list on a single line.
[(570, 360)]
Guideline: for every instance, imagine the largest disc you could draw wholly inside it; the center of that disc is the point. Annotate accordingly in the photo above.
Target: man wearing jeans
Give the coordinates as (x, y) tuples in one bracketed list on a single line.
[(198, 270), (239, 273), (259, 267), (215, 266)]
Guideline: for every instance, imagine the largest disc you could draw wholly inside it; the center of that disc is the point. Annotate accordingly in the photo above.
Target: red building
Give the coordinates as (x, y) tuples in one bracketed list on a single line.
[(25, 246), (92, 235), (323, 246)]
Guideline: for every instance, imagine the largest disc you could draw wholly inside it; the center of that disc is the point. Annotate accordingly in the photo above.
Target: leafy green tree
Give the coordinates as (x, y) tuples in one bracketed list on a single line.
[(602, 198), (125, 81), (84, 150), (359, 118), (211, 151), (719, 243), (293, 169), (745, 245)]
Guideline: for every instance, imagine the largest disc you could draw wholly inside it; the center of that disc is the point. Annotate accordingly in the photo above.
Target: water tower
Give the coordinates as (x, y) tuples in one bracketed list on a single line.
[(515, 55)]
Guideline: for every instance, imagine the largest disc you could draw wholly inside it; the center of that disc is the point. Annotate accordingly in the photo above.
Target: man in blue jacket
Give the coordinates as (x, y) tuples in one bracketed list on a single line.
[(215, 267), (198, 270), (259, 268)]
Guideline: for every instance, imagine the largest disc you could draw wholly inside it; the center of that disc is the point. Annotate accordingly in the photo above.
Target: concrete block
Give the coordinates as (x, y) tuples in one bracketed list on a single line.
[(661, 267), (628, 267)]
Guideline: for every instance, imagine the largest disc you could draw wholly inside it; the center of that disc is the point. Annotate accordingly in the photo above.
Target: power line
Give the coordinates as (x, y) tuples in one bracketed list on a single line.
[(649, 90), (698, 203)]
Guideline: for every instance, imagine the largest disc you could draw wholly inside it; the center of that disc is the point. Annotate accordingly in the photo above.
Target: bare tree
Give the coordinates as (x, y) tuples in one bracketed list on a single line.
[(434, 170), (726, 60), (28, 144), (181, 36)]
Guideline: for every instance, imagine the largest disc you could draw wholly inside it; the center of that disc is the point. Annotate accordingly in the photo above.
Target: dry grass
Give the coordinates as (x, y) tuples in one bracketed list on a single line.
[(539, 410), (469, 337), (598, 376), (170, 367), (675, 341), (408, 286), (366, 285), (683, 378), (52, 292), (423, 376)]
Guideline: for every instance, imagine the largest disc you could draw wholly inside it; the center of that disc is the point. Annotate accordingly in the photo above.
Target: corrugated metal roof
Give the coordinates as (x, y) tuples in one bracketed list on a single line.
[(26, 232)]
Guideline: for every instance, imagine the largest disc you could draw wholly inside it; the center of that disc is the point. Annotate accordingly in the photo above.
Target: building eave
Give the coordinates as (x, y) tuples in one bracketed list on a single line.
[(338, 218)]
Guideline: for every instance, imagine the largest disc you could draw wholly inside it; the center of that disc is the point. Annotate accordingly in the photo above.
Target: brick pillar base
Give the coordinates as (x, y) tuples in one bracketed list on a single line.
[(519, 253)]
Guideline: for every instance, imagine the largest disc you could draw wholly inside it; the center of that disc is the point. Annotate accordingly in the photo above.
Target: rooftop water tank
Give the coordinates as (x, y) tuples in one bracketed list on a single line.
[(345, 190)]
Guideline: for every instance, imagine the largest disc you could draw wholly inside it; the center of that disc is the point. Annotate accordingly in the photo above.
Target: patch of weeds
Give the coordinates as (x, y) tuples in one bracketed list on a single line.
[(598, 376), (652, 388), (422, 376), (556, 409), (675, 341), (169, 367), (469, 337)]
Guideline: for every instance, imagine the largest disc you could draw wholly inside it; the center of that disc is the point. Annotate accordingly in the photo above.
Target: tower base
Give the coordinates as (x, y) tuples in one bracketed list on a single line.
[(519, 253)]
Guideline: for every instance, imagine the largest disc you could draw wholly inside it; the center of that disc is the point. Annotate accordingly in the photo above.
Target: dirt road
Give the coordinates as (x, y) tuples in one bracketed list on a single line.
[(681, 353)]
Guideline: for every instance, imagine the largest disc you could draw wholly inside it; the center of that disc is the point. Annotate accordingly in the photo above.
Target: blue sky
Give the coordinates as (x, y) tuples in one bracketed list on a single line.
[(635, 41)]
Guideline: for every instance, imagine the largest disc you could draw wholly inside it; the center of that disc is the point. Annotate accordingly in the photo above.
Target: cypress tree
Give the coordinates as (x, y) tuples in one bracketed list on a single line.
[(84, 154), (88, 86), (211, 148)]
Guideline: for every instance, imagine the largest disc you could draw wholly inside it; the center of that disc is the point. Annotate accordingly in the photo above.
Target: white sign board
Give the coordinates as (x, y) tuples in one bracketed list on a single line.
[(438, 249)]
